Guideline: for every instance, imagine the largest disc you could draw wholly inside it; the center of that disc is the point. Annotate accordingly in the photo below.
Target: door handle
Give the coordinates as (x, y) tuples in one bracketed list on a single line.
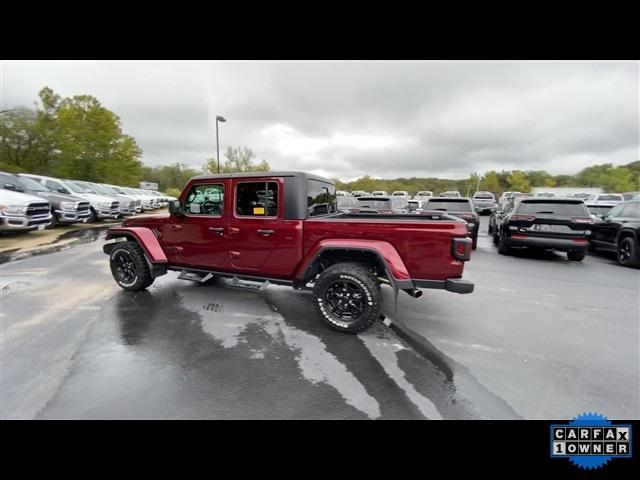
[(175, 228), (265, 232), (219, 230)]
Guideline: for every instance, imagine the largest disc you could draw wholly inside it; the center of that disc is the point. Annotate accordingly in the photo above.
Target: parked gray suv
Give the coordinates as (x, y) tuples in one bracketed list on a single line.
[(65, 209)]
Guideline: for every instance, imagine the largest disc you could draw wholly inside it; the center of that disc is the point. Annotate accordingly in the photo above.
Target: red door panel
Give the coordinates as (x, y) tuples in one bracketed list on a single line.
[(262, 243), (199, 237)]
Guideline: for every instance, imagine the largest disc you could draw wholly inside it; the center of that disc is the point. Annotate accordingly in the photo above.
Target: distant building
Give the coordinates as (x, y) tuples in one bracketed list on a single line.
[(564, 191), (148, 186)]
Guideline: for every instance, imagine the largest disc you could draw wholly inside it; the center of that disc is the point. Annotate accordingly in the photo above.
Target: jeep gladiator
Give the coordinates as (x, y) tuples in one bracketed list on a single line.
[(283, 227)]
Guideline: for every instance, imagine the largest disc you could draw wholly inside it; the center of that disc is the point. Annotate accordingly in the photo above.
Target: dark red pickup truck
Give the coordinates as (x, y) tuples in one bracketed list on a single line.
[(283, 227)]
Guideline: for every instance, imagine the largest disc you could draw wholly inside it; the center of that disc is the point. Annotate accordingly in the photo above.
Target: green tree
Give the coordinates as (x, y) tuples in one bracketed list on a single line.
[(168, 176), (518, 181), (239, 159), (73, 137), (619, 179), (490, 182)]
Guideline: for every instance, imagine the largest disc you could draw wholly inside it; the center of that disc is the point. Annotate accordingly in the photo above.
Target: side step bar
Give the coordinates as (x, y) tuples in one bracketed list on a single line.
[(194, 276)]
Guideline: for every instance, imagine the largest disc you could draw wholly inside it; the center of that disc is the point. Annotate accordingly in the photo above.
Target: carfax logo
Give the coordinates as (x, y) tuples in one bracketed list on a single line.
[(590, 441)]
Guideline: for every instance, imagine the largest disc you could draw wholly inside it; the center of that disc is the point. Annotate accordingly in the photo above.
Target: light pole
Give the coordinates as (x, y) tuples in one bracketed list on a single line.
[(219, 118)]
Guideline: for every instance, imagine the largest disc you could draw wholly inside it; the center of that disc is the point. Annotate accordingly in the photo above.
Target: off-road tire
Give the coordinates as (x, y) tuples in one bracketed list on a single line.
[(634, 258), (358, 277), (576, 255), (141, 277)]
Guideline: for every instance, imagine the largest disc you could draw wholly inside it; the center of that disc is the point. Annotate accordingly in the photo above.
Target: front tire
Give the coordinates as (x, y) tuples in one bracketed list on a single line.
[(347, 297), (129, 267), (576, 256), (628, 253), (54, 221), (93, 216)]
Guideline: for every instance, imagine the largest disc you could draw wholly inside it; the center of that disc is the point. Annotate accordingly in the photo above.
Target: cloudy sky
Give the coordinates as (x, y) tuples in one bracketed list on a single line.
[(348, 119)]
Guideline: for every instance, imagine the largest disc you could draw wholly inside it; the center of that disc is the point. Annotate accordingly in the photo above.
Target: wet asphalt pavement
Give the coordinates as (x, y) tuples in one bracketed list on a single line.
[(540, 338)]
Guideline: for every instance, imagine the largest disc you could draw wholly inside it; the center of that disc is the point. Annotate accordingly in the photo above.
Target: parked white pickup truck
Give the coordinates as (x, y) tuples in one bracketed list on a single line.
[(20, 211)]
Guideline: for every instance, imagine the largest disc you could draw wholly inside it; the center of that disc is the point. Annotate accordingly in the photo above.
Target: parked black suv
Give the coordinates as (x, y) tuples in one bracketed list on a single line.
[(460, 207), (619, 231), (562, 224)]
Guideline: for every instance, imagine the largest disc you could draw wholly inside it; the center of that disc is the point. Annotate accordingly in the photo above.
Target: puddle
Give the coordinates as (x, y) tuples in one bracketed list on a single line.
[(62, 242)]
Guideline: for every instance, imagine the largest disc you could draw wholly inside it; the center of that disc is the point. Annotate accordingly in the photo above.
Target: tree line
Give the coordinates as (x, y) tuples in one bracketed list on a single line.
[(78, 137), (611, 179)]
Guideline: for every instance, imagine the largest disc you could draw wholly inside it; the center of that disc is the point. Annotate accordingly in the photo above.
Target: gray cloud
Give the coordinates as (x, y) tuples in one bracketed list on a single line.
[(348, 119)]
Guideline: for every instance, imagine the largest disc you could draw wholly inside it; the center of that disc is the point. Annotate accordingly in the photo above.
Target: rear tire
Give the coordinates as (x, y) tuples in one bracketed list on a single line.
[(576, 255), (129, 267), (347, 297), (627, 253), (503, 248), (474, 243)]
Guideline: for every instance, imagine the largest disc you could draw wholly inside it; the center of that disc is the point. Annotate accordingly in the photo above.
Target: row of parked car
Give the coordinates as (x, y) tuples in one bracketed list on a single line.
[(572, 224), (30, 202)]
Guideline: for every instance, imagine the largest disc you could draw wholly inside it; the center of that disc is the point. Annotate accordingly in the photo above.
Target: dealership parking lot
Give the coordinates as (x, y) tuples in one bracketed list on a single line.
[(541, 337)]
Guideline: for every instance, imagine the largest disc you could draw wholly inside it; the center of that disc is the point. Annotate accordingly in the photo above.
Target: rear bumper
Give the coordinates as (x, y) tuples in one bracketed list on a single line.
[(456, 285), (562, 244)]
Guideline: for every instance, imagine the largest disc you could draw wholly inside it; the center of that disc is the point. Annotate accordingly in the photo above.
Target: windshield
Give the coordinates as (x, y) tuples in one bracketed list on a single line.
[(98, 189), (75, 187), (346, 202), (610, 198), (110, 190), (449, 205), (31, 184), (550, 207), (382, 203), (488, 196)]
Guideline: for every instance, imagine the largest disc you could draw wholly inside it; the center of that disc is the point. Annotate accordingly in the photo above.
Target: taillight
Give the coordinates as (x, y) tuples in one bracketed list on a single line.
[(582, 220), (526, 218), (461, 248)]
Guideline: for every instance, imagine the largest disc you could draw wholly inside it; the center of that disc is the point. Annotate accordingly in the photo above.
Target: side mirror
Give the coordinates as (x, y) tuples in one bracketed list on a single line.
[(174, 207), (10, 186), (63, 190)]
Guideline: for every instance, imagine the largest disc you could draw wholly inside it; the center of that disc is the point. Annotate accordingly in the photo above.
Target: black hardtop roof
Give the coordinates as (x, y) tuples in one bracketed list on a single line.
[(302, 175)]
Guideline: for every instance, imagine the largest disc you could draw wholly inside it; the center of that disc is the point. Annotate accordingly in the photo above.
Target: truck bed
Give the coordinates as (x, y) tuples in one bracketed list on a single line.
[(423, 241)]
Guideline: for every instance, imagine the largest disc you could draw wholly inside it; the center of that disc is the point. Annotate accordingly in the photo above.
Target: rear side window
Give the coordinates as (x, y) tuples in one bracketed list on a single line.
[(553, 208), (321, 198), (257, 199), (631, 210), (449, 206), (205, 200)]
